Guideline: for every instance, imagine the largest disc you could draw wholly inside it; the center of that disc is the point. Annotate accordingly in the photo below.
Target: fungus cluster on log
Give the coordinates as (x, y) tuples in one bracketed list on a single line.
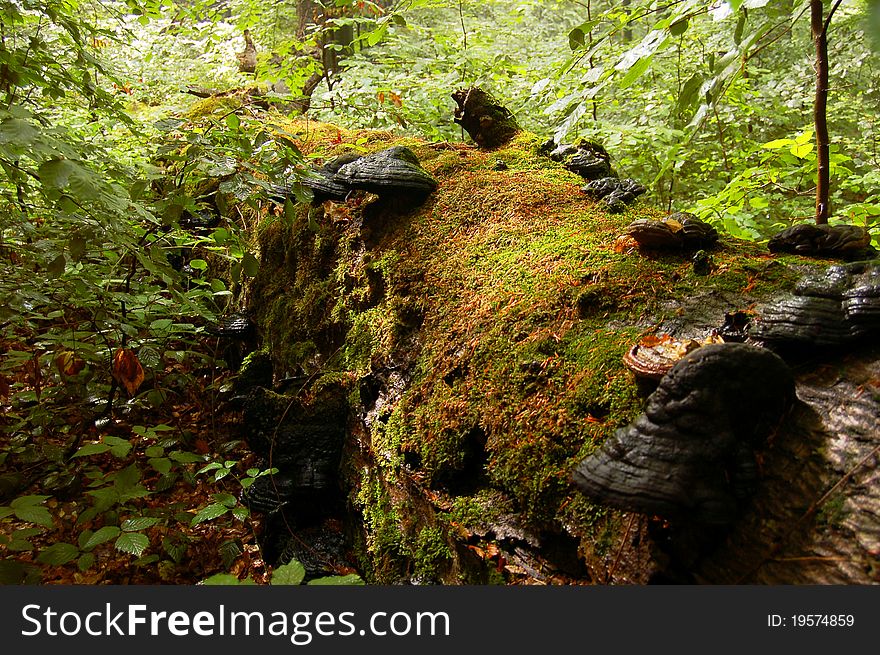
[(679, 231), (392, 173), (588, 159), (807, 239), (304, 442), (692, 455), (831, 308), (617, 193)]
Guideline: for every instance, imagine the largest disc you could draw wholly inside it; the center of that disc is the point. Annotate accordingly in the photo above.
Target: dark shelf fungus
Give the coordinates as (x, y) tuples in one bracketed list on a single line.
[(679, 231), (831, 308), (691, 456), (392, 173), (270, 493), (395, 171), (845, 241), (323, 182), (304, 441), (587, 159), (617, 193)]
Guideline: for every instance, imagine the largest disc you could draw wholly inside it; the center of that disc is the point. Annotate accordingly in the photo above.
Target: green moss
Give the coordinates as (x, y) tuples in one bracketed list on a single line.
[(431, 552), (213, 105), (508, 304), (384, 539)]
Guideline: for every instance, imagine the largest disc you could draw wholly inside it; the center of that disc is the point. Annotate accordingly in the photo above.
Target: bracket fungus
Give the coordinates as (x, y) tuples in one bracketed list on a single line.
[(679, 231), (691, 455), (392, 173), (324, 183), (831, 308), (616, 193), (395, 171), (832, 240), (589, 160)]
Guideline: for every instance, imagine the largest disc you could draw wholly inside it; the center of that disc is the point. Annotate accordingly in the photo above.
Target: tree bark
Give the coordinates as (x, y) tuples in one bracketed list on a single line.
[(819, 28)]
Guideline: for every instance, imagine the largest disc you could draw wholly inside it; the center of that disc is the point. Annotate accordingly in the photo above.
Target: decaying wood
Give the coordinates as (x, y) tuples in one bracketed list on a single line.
[(488, 123)]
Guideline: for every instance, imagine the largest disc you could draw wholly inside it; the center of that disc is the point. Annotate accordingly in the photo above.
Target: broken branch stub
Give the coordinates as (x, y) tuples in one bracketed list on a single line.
[(489, 124)]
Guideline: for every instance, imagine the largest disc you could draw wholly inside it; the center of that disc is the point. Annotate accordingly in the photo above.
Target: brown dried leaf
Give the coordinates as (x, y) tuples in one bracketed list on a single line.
[(68, 363), (127, 370)]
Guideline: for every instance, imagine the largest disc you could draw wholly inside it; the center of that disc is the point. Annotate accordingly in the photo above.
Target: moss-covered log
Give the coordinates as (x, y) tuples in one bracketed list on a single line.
[(480, 339)]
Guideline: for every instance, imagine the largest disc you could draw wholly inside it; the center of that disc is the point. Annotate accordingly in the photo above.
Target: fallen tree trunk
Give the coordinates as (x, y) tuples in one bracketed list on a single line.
[(479, 339)]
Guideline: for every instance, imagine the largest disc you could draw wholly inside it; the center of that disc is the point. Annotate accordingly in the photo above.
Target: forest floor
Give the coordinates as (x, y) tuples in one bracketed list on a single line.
[(152, 497)]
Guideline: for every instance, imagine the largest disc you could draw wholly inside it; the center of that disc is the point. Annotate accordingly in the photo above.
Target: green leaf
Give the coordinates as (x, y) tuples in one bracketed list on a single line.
[(92, 449), (56, 173), (118, 447), (250, 264), (169, 124), (77, 247), (690, 92), (240, 513), (679, 27), (777, 144), (740, 26), (133, 543), (292, 573), (139, 523), (28, 501), (233, 122), (185, 458), (209, 513), (85, 561), (17, 131), (127, 477), (161, 464), (58, 554), (225, 579), (225, 499), (38, 515), (161, 325), (801, 151), (376, 35), (221, 236), (56, 267), (635, 72), (175, 549), (804, 137), (338, 580), (198, 264), (100, 536), (154, 451)]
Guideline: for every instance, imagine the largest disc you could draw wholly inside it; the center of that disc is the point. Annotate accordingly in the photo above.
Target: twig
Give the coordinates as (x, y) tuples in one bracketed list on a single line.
[(610, 574)]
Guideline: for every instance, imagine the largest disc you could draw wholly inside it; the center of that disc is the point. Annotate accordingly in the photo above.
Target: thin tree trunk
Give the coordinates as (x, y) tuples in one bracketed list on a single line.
[(820, 37)]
